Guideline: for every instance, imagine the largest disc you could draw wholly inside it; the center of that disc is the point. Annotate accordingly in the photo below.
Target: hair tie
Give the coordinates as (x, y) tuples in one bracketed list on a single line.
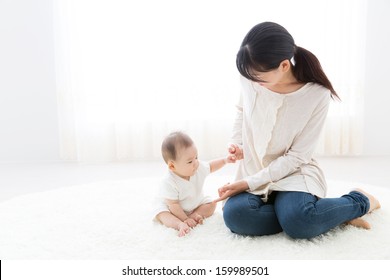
[(292, 60)]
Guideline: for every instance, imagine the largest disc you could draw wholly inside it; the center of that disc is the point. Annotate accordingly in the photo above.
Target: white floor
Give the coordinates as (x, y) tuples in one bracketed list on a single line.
[(23, 178)]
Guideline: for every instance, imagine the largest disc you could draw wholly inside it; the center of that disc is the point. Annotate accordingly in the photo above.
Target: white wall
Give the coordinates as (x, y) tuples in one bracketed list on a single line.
[(28, 114), (377, 94)]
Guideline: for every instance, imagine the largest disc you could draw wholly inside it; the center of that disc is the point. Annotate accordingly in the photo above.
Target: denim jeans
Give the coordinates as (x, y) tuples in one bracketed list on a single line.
[(298, 214)]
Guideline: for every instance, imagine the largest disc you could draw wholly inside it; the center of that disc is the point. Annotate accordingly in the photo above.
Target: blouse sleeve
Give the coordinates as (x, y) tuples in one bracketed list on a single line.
[(237, 125), (299, 153)]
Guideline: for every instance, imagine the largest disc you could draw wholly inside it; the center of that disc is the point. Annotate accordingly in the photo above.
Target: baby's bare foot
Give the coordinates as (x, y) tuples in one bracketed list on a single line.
[(374, 203), (359, 222), (184, 229), (198, 218)]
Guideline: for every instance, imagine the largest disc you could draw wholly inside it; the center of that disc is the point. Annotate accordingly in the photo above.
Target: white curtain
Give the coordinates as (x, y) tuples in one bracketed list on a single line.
[(129, 72)]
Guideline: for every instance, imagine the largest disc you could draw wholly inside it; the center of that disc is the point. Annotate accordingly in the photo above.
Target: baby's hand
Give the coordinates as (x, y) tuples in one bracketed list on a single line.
[(235, 153)]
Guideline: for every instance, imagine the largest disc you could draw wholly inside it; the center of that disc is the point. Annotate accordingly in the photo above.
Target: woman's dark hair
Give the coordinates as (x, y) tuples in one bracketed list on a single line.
[(267, 44)]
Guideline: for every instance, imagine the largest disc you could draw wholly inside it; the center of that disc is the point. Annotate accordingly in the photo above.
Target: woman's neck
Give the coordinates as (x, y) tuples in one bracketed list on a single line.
[(287, 84)]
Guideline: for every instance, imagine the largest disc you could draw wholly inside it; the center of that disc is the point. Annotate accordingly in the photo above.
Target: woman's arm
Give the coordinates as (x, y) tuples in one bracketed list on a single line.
[(235, 148), (237, 125)]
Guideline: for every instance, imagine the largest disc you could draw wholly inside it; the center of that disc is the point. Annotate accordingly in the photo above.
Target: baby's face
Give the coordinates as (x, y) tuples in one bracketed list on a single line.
[(187, 162)]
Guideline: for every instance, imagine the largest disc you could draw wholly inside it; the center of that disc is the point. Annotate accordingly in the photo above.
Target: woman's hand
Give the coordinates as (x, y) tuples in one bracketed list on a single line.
[(235, 152), (229, 190)]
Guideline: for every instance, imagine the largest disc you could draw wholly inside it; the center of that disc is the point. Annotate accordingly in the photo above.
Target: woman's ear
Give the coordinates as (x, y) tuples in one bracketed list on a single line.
[(285, 65)]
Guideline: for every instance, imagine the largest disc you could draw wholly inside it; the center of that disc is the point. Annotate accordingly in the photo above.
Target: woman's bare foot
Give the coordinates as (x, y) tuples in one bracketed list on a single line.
[(184, 229), (359, 222), (374, 203)]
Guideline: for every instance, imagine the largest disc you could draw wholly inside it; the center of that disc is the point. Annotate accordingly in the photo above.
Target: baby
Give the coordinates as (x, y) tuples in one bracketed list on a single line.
[(181, 203)]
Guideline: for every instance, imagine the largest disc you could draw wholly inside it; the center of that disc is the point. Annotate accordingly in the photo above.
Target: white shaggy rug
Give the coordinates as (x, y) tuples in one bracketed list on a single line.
[(111, 221)]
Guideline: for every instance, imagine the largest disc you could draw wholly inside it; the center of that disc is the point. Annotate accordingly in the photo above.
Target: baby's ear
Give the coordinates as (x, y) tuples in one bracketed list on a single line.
[(171, 165)]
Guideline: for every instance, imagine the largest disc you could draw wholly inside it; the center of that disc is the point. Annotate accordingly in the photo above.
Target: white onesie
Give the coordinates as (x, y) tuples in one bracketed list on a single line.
[(189, 193)]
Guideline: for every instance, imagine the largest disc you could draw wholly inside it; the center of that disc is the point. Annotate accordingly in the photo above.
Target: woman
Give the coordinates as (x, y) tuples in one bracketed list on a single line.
[(283, 106)]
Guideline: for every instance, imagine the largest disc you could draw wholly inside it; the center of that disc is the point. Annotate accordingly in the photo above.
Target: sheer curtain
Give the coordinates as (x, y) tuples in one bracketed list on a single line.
[(129, 72)]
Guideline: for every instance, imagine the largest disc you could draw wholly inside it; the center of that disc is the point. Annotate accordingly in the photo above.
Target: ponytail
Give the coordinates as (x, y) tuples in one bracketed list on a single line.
[(307, 68)]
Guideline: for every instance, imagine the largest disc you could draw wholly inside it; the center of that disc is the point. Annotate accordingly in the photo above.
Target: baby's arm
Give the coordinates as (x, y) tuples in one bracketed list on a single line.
[(219, 163), (176, 209)]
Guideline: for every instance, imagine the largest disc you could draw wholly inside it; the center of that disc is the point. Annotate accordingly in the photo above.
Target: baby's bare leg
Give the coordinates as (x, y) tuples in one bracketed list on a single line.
[(171, 221), (203, 211)]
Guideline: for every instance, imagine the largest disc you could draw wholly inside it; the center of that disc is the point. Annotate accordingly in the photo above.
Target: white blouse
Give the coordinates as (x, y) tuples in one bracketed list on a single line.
[(278, 134)]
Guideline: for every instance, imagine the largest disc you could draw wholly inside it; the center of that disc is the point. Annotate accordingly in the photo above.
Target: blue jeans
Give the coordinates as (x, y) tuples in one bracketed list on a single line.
[(298, 214)]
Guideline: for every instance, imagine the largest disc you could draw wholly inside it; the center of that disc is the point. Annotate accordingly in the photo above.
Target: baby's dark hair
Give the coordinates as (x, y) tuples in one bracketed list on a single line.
[(172, 143)]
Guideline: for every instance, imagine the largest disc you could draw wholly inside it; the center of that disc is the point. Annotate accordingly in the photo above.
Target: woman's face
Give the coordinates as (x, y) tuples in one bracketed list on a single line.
[(273, 77), (269, 78)]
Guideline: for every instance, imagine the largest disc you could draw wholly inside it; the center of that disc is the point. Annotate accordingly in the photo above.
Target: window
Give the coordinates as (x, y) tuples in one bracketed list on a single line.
[(129, 72)]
